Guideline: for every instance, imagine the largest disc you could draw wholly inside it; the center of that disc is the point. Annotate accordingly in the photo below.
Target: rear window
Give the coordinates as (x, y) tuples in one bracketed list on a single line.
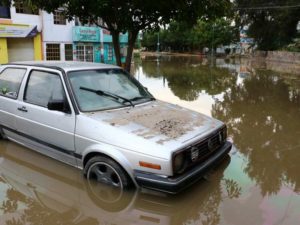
[(10, 81)]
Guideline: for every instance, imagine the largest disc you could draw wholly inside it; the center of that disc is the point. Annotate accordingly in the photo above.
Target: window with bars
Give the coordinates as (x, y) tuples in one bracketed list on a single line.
[(85, 53), (89, 53), (80, 53), (69, 52), (53, 51), (22, 7), (110, 53), (59, 18)]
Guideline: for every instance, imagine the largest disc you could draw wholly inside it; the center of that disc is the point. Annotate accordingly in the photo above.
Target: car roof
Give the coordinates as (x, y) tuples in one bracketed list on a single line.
[(65, 65)]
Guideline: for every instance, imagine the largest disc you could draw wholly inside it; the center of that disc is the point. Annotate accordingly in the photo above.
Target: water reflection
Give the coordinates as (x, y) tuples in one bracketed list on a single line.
[(260, 107), (39, 190), (258, 184), (262, 116), (187, 76)]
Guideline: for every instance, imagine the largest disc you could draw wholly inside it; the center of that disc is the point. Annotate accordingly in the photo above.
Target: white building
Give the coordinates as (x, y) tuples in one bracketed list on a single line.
[(57, 36), (31, 34)]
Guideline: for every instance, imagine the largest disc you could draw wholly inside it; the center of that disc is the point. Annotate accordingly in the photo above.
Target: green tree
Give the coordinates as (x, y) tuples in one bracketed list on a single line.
[(214, 33), (150, 40), (272, 23), (205, 33), (132, 16)]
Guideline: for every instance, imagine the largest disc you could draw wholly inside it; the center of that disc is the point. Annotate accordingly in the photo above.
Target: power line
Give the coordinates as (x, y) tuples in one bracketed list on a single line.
[(269, 7)]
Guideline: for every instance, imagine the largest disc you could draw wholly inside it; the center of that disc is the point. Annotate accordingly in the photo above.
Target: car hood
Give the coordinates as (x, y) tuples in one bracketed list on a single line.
[(160, 123)]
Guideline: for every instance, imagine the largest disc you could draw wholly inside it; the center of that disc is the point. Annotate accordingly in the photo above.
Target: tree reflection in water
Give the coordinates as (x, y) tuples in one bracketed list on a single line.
[(262, 115), (200, 204), (32, 212), (187, 77), (36, 214)]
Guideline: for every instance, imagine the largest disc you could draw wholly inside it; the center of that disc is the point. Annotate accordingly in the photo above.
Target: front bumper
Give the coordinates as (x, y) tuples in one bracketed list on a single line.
[(174, 185)]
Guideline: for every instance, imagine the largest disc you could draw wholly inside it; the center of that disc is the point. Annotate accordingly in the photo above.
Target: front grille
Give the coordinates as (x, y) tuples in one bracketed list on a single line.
[(201, 150)]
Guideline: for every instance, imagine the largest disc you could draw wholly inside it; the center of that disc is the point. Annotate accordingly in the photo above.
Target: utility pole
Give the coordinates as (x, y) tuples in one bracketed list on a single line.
[(212, 44), (158, 42)]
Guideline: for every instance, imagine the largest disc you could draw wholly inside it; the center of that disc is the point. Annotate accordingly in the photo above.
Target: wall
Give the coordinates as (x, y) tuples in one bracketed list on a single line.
[(20, 18), (3, 51), (280, 61), (56, 33), (280, 56)]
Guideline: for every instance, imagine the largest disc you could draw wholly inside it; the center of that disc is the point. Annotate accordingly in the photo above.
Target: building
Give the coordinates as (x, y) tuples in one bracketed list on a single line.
[(87, 44), (57, 36), (32, 34), (246, 42), (20, 33), (109, 56)]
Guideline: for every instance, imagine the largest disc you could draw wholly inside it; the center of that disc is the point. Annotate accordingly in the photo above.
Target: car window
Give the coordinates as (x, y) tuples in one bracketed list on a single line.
[(10, 81), (43, 86)]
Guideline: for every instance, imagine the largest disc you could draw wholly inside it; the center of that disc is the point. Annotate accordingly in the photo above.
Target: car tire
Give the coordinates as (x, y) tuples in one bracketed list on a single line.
[(105, 170), (1, 134)]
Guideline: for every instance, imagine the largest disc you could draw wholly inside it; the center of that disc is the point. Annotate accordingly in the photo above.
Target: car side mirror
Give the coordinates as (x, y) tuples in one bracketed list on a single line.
[(59, 105)]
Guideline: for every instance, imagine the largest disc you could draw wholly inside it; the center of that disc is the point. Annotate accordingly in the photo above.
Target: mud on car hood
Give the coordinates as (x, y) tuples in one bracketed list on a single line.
[(161, 122)]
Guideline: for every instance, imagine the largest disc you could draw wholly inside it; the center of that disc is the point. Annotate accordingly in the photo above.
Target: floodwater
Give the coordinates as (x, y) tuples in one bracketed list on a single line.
[(258, 183)]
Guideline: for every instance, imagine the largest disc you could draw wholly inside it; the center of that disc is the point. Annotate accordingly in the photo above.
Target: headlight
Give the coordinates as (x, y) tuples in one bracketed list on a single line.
[(223, 135), (178, 162)]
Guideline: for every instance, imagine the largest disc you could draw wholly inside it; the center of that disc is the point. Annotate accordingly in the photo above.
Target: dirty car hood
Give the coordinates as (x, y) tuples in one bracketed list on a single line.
[(161, 122)]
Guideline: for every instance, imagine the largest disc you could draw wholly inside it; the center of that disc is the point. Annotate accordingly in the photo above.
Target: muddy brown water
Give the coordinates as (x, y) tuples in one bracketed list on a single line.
[(258, 183)]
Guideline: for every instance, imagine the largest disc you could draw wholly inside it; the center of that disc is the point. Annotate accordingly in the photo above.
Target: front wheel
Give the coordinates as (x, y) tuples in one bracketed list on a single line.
[(1, 134), (107, 171)]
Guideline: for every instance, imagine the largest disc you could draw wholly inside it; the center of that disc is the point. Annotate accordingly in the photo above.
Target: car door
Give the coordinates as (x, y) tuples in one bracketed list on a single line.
[(50, 132), (10, 82)]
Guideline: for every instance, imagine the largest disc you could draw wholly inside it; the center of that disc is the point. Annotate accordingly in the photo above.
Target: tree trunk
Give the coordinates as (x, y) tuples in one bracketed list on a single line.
[(116, 43), (132, 35)]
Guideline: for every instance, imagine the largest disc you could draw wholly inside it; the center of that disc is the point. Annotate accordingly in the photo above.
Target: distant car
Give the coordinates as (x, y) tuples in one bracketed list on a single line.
[(99, 118)]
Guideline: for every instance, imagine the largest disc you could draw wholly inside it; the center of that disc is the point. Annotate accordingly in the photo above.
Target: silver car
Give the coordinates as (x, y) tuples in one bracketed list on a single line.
[(100, 119)]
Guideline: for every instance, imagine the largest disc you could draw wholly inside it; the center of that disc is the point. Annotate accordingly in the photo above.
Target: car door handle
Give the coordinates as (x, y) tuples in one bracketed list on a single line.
[(23, 109)]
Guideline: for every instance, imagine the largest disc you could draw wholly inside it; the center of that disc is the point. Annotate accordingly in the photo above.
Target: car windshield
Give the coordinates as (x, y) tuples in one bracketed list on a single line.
[(103, 89)]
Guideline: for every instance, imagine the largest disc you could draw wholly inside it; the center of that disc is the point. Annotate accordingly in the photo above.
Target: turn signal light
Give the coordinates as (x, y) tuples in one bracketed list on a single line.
[(150, 165)]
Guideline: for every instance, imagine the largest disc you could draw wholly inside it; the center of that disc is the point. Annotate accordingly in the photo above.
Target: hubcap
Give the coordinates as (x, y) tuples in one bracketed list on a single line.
[(105, 173)]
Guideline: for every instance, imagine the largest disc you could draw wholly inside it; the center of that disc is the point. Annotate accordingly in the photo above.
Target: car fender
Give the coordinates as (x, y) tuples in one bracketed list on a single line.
[(113, 153)]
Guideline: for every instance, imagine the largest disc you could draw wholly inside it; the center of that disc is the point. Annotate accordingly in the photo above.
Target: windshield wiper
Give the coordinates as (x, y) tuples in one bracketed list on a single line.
[(142, 97), (108, 94)]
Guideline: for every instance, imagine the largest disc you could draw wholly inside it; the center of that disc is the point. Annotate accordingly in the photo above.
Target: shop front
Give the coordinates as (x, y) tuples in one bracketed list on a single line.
[(87, 44), (109, 55), (19, 43)]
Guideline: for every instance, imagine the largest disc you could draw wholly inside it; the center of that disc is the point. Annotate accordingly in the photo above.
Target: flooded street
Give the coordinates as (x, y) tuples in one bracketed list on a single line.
[(259, 183)]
